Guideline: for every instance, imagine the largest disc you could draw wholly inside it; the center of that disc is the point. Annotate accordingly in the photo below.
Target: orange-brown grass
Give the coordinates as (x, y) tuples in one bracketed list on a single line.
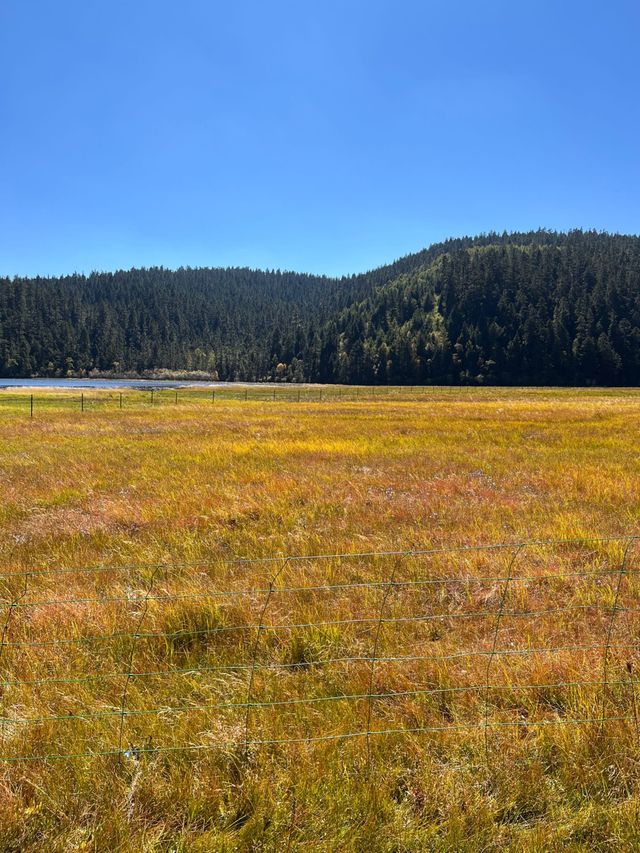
[(195, 702)]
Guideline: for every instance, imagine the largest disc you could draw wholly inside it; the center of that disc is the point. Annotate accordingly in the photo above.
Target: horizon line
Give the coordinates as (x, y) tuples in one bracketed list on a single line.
[(291, 271)]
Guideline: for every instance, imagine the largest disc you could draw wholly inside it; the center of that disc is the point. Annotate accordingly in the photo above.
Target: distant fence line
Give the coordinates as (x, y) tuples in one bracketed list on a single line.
[(31, 404), (290, 393), (597, 591)]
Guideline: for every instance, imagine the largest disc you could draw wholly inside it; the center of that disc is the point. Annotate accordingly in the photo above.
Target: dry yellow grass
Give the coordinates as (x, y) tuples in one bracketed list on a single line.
[(167, 497)]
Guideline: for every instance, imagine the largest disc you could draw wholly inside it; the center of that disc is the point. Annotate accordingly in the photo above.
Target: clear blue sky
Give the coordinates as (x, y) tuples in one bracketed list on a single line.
[(323, 136)]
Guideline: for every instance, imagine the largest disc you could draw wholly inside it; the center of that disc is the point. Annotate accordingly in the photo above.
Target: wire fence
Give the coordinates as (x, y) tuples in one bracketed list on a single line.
[(29, 404), (140, 659), (32, 405)]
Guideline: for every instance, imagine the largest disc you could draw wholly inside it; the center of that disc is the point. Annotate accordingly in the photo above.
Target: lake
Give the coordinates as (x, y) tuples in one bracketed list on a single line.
[(110, 383)]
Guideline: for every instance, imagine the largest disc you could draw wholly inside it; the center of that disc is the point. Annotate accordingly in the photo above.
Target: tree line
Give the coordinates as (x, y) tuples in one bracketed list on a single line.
[(528, 308)]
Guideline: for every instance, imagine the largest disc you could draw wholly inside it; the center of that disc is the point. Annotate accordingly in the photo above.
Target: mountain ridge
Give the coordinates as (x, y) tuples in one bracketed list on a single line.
[(538, 307)]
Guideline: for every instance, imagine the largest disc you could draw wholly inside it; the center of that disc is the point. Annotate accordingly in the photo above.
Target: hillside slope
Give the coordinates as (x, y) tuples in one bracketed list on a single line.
[(565, 311), (534, 308)]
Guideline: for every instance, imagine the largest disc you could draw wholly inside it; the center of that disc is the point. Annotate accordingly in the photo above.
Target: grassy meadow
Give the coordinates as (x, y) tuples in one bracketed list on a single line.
[(179, 674)]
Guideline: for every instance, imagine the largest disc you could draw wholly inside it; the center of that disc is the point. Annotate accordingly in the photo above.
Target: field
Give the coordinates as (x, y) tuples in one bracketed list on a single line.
[(172, 683)]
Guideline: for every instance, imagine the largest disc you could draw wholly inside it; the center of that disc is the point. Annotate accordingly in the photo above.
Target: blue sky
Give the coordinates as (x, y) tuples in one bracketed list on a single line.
[(319, 136)]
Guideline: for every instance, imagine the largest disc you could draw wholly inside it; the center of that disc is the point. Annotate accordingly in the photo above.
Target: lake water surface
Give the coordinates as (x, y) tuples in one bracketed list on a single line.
[(110, 383)]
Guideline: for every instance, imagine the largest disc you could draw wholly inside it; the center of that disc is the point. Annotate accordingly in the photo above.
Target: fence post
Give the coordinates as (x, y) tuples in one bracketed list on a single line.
[(121, 399), (176, 397), (605, 661), (274, 393), (129, 672), (298, 395), (246, 393), (373, 657), (12, 605), (152, 396), (213, 396), (32, 405), (492, 654), (254, 652)]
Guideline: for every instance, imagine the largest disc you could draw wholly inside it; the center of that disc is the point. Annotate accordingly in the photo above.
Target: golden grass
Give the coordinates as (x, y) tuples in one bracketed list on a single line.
[(166, 496)]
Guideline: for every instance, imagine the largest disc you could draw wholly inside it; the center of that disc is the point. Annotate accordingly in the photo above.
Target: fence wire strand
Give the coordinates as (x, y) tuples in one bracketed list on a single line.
[(333, 588), (310, 700), (233, 744), (321, 662), (339, 555)]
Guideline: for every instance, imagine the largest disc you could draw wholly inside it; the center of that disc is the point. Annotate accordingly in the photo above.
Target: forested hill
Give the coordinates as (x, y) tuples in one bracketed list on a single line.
[(534, 308)]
